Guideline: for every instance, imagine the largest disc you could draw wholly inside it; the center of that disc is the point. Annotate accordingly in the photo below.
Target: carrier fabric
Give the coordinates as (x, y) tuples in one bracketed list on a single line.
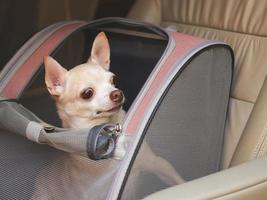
[(184, 124)]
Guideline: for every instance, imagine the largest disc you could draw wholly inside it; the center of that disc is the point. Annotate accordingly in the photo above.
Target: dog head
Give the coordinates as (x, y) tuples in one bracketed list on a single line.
[(87, 90)]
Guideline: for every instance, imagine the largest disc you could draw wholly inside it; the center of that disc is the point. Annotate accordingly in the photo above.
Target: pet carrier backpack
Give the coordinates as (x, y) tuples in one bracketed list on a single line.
[(177, 90)]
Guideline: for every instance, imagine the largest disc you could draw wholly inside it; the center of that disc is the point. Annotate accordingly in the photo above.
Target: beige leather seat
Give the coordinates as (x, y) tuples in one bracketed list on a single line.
[(243, 25)]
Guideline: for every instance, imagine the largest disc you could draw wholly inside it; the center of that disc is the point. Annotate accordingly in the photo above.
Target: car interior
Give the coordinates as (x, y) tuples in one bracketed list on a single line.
[(241, 24)]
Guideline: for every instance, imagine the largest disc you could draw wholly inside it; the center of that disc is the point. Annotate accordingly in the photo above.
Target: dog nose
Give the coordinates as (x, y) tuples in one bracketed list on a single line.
[(116, 96)]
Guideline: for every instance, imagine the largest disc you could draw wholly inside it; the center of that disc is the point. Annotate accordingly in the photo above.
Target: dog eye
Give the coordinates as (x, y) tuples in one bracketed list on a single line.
[(114, 80), (87, 93)]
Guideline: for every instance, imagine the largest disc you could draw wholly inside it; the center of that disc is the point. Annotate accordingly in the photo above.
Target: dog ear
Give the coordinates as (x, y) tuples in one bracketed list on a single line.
[(54, 76), (100, 53)]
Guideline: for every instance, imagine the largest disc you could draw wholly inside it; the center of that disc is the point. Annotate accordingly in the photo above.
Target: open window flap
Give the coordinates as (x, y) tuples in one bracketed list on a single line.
[(96, 143), (18, 72)]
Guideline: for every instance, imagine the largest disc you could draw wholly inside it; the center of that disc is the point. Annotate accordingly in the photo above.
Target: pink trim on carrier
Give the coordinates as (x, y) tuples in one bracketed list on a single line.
[(183, 43), (33, 62)]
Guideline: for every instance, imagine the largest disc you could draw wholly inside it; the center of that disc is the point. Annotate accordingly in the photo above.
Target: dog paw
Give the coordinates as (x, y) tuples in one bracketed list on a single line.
[(122, 144)]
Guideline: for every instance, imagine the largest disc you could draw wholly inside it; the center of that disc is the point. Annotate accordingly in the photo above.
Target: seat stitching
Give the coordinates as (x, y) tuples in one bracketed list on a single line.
[(261, 145), (264, 144)]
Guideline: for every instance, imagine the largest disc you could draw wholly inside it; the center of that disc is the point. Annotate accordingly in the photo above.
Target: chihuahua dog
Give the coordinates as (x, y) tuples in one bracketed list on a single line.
[(86, 96)]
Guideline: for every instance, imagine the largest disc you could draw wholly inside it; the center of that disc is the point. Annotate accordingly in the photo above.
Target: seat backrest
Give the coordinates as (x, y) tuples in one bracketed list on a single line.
[(241, 24)]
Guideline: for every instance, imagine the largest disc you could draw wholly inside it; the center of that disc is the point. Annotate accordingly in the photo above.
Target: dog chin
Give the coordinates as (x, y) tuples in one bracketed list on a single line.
[(109, 112)]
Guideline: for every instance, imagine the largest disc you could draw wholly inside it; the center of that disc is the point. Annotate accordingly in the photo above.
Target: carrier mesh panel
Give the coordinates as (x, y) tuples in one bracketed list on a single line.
[(20, 163), (187, 128), (39, 172)]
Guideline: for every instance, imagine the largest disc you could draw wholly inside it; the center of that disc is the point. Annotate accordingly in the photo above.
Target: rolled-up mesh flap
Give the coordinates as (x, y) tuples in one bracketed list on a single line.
[(72, 141), (17, 119)]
